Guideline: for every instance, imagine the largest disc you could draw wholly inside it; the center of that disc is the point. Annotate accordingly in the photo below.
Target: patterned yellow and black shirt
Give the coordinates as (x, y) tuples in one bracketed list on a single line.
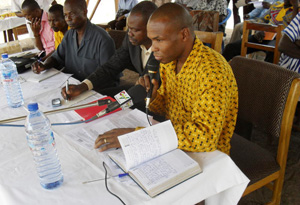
[(201, 100)]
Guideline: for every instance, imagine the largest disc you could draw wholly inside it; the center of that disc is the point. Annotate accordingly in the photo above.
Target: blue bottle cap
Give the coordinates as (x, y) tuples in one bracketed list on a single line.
[(4, 55), (33, 107)]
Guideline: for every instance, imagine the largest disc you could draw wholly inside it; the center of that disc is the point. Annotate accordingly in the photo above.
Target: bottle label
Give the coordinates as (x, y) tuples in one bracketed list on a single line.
[(7, 80), (6, 75), (33, 146)]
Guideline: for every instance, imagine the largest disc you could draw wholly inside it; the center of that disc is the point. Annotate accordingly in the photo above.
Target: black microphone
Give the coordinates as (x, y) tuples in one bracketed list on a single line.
[(136, 94), (152, 67)]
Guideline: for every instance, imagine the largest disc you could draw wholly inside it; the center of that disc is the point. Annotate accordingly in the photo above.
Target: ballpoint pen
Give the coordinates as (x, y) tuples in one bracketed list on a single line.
[(119, 175)]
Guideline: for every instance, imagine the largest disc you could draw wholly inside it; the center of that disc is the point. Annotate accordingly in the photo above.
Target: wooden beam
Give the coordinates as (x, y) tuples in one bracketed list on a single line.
[(94, 10)]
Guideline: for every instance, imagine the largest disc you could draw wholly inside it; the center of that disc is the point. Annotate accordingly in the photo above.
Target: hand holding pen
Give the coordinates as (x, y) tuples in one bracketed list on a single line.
[(71, 91), (37, 67)]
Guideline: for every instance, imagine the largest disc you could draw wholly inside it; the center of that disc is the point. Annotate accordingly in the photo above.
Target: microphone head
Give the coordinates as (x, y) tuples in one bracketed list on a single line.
[(152, 65), (137, 93)]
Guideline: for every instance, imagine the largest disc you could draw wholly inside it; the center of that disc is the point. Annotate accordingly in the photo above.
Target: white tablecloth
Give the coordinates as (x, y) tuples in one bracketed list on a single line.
[(220, 183), (11, 22)]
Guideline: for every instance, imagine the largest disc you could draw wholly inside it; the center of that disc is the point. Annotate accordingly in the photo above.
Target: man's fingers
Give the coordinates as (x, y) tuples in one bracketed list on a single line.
[(107, 146), (141, 81), (147, 82)]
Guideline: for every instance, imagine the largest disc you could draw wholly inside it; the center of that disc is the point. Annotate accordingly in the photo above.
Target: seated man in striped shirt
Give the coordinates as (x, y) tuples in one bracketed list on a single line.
[(289, 46)]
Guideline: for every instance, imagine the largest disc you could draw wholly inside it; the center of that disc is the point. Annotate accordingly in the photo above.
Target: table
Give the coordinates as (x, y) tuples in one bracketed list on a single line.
[(220, 183), (9, 23)]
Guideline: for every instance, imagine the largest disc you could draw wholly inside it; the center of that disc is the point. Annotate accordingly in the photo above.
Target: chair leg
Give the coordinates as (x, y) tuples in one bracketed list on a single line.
[(278, 184)]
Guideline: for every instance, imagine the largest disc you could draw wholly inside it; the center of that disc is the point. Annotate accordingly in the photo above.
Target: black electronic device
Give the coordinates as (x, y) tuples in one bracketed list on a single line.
[(22, 63)]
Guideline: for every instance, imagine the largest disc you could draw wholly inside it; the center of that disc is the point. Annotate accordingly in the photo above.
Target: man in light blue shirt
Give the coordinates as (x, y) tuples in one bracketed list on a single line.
[(254, 15)]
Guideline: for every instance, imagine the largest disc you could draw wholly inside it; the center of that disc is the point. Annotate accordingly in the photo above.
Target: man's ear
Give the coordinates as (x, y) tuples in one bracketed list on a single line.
[(185, 32)]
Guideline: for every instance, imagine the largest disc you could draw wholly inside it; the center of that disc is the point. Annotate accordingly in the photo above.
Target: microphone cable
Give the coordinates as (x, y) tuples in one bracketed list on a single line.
[(108, 188), (147, 115), (52, 124)]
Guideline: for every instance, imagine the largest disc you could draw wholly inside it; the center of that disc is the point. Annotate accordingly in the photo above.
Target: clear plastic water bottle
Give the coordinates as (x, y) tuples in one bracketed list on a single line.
[(41, 142), (11, 85)]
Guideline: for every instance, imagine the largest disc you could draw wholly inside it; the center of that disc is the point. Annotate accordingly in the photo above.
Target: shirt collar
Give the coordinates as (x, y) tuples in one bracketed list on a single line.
[(145, 49), (87, 34), (44, 16), (194, 55)]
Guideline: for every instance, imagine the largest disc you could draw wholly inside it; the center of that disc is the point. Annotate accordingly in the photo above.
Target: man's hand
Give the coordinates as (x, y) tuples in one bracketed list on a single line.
[(110, 139), (145, 82), (259, 36), (74, 90), (121, 17), (37, 67), (36, 26)]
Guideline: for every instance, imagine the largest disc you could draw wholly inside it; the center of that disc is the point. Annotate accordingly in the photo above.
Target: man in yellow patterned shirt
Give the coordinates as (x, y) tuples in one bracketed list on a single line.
[(198, 91)]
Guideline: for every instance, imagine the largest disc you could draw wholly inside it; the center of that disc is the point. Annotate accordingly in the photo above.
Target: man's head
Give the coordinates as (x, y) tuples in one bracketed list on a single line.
[(56, 18), (31, 10), (137, 22), (171, 30), (75, 12)]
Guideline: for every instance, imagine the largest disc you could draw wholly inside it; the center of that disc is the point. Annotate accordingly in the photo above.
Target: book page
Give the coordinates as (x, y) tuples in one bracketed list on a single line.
[(86, 134), (165, 171), (145, 144)]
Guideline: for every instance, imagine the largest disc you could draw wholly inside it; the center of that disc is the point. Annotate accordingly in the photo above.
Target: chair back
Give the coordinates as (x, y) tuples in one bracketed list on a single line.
[(261, 27), (268, 95), (205, 20), (263, 91), (19, 31), (117, 36), (213, 38)]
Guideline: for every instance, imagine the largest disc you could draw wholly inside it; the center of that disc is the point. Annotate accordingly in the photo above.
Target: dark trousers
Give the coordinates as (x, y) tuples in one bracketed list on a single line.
[(117, 25), (234, 49), (236, 16)]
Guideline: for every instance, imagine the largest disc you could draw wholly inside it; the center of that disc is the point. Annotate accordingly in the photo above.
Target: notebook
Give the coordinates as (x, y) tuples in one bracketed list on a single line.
[(89, 112)]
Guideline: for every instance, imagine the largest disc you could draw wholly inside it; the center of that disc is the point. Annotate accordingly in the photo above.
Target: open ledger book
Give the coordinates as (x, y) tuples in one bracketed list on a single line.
[(151, 158)]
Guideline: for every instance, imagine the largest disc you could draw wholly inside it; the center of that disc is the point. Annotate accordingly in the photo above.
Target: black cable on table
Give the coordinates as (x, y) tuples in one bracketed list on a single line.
[(107, 186)]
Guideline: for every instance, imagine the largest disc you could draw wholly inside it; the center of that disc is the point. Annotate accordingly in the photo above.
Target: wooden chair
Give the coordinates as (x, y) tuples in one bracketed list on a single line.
[(261, 27), (19, 31), (213, 38), (205, 20), (268, 95)]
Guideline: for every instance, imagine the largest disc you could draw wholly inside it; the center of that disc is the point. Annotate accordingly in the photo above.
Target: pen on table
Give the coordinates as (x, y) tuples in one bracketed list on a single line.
[(120, 176), (67, 89)]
